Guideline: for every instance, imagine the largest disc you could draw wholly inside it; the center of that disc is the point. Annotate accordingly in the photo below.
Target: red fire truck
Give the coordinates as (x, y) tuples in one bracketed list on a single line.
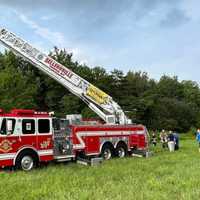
[(28, 137)]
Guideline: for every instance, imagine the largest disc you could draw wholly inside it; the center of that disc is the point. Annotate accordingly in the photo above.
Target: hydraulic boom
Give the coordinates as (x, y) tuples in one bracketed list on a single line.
[(97, 100)]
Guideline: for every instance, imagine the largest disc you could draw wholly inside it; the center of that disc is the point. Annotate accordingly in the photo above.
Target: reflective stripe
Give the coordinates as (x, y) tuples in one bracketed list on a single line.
[(101, 133), (12, 156), (140, 132), (7, 156), (45, 152)]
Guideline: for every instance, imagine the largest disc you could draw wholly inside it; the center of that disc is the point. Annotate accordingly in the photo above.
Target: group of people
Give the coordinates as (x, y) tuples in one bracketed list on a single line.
[(168, 139)]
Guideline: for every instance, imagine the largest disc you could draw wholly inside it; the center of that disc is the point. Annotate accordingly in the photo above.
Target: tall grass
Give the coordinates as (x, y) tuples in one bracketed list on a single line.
[(165, 175)]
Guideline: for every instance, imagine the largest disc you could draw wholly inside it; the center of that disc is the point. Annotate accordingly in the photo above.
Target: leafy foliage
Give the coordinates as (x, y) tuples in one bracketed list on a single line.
[(167, 103)]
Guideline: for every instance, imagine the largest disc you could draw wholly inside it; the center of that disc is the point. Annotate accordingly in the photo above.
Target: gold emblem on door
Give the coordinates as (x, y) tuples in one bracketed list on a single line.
[(6, 146)]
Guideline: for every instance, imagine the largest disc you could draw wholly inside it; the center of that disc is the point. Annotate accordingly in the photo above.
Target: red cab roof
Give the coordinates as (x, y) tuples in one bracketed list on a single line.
[(24, 113)]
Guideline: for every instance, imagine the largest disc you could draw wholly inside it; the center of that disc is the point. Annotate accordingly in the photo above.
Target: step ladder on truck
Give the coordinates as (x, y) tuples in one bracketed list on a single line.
[(28, 137)]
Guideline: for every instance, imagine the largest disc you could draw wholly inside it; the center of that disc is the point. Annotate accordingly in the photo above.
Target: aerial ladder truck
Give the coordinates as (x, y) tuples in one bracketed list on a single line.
[(48, 140)]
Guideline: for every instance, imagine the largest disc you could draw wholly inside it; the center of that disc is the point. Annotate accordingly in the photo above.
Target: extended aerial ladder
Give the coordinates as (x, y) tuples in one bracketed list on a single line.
[(97, 100)]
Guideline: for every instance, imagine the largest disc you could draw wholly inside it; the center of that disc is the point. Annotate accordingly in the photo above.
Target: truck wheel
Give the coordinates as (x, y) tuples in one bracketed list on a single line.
[(107, 152), (121, 150), (26, 162)]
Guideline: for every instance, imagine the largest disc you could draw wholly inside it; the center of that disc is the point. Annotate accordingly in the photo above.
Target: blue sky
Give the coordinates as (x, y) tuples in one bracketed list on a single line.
[(156, 36)]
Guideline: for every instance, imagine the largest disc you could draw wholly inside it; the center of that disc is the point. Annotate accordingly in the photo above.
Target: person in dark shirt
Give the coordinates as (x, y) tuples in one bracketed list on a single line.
[(176, 139), (170, 137), (171, 141)]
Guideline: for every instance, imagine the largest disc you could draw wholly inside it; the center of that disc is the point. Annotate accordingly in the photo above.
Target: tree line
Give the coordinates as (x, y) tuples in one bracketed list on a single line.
[(165, 104)]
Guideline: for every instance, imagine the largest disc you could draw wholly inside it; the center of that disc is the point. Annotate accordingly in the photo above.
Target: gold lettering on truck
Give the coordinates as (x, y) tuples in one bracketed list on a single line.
[(45, 144)]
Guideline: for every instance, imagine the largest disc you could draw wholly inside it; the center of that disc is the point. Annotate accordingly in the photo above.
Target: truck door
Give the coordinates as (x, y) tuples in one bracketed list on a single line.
[(44, 138), (27, 135), (8, 138), (11, 139)]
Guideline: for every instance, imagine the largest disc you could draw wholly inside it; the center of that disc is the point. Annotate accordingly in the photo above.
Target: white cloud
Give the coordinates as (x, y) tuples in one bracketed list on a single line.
[(47, 17), (78, 55), (53, 36), (56, 38), (40, 46)]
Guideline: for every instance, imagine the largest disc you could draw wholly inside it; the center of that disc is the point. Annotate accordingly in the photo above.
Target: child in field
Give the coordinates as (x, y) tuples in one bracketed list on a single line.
[(198, 137)]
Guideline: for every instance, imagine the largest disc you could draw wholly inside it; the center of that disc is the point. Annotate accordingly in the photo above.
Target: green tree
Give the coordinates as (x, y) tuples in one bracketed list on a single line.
[(16, 91), (167, 103)]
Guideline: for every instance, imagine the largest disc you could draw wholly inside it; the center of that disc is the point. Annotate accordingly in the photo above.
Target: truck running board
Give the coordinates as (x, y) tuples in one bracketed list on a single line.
[(63, 158), (139, 153), (90, 162)]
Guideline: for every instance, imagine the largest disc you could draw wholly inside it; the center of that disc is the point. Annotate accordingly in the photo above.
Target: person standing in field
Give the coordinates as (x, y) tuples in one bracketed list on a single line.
[(198, 137), (154, 138), (176, 139), (163, 138), (171, 141)]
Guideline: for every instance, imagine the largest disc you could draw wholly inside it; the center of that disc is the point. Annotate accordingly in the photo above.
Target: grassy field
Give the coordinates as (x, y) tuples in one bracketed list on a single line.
[(164, 176)]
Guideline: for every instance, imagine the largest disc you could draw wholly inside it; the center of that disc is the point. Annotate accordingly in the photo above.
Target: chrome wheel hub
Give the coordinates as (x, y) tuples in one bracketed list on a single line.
[(27, 163), (121, 152), (107, 154)]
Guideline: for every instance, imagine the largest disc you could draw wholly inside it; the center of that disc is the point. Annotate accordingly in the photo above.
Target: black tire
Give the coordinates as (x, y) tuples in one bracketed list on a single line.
[(121, 150), (107, 151), (26, 161)]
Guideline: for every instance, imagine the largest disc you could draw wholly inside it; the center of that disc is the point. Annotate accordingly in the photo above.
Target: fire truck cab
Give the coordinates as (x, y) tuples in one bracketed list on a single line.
[(25, 138)]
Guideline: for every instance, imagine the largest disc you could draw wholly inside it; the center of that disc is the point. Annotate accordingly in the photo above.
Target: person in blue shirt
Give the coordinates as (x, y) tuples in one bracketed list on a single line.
[(198, 138), (171, 141)]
